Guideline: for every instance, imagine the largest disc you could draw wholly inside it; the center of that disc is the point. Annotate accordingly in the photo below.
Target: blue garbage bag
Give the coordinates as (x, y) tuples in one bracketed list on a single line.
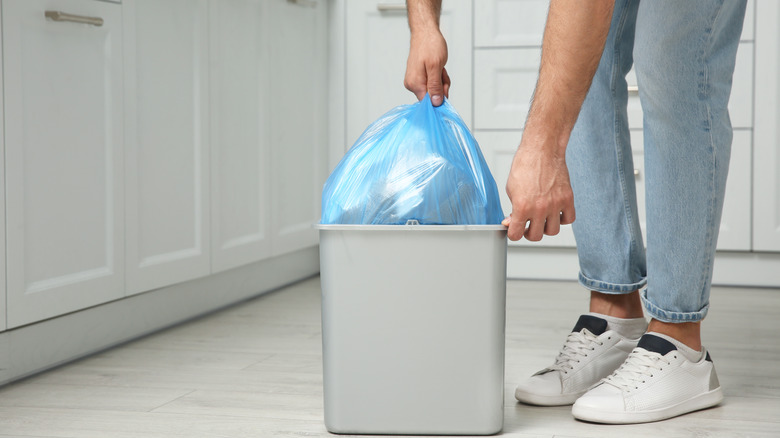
[(415, 163)]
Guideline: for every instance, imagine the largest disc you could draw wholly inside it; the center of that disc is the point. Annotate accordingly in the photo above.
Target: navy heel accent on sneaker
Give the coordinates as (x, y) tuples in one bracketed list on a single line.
[(656, 344), (594, 324)]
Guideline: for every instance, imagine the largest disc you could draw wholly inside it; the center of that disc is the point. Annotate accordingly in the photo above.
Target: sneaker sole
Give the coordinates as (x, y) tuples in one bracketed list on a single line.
[(702, 401), (546, 400)]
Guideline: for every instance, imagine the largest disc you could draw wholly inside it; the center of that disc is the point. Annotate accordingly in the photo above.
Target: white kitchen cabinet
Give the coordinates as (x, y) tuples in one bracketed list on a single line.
[(166, 142), (240, 153), (735, 225), (504, 81), (2, 194), (377, 46), (741, 99), (297, 119), (766, 161), (748, 27), (63, 157), (509, 23)]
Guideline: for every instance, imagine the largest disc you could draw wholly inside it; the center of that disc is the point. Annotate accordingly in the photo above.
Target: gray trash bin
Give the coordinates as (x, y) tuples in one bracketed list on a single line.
[(413, 320)]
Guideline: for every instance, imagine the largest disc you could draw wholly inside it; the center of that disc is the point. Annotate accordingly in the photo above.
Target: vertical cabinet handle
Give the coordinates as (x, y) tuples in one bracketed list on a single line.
[(306, 3), (62, 16), (391, 7)]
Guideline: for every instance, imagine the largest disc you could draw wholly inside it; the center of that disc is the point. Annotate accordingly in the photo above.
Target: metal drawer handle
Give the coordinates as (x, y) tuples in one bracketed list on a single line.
[(62, 16), (633, 89), (306, 3), (391, 7)]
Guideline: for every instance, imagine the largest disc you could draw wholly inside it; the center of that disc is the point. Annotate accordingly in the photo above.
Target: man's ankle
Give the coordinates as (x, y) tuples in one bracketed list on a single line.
[(618, 305)]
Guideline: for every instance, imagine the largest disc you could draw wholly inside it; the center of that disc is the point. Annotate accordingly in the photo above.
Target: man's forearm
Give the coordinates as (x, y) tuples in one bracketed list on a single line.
[(425, 72), (574, 39), (423, 14)]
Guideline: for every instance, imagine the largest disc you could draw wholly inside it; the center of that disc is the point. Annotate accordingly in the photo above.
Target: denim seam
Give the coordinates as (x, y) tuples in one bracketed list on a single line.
[(617, 128), (707, 271)]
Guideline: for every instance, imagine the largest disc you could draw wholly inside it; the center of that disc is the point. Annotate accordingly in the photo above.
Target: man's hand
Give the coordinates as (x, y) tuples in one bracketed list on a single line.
[(540, 191), (538, 183), (425, 72)]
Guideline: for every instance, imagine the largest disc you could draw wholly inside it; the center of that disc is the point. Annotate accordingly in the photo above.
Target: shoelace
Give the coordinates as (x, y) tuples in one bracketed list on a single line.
[(577, 345), (639, 365)]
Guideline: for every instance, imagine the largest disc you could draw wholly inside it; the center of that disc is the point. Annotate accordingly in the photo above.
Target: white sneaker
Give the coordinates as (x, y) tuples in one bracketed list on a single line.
[(591, 352), (656, 382)]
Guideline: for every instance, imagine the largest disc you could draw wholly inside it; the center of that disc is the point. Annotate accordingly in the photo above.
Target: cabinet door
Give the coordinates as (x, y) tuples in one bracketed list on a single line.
[(2, 195), (297, 122), (240, 156), (766, 159), (377, 46), (63, 140), (166, 142)]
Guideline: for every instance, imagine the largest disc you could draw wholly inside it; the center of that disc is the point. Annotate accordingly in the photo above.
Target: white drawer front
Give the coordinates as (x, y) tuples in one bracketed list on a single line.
[(505, 23), (504, 81)]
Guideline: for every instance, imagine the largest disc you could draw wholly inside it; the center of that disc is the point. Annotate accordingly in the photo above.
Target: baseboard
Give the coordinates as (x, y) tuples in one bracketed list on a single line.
[(37, 347), (759, 269)]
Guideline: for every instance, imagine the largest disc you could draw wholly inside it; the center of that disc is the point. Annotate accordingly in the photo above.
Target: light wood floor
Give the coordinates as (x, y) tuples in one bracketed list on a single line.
[(255, 371)]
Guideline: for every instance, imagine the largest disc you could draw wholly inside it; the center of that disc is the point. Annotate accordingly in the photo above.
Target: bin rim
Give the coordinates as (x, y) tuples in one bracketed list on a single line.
[(362, 227)]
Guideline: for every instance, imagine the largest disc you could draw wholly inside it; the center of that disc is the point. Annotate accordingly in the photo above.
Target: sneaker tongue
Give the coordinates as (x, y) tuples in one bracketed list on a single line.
[(656, 344), (594, 324)]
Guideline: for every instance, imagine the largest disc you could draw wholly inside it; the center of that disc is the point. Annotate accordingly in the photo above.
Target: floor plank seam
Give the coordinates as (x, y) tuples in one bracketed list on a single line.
[(258, 362), (171, 401)]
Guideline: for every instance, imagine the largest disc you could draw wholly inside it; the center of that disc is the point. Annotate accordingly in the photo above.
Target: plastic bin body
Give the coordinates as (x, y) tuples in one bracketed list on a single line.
[(413, 322)]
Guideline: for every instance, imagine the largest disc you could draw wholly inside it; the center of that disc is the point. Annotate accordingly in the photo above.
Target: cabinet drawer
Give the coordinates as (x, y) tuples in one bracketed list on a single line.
[(517, 23), (64, 166), (505, 23), (504, 81)]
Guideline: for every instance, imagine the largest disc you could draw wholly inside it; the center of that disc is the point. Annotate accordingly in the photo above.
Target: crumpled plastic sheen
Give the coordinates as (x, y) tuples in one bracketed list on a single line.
[(415, 163)]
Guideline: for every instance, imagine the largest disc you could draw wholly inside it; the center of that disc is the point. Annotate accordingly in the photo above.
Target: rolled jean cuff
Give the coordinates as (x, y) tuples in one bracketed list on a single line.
[(656, 312), (610, 288)]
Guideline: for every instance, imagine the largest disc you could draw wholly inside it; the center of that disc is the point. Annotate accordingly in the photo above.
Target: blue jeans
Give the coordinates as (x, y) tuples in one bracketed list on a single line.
[(684, 54)]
